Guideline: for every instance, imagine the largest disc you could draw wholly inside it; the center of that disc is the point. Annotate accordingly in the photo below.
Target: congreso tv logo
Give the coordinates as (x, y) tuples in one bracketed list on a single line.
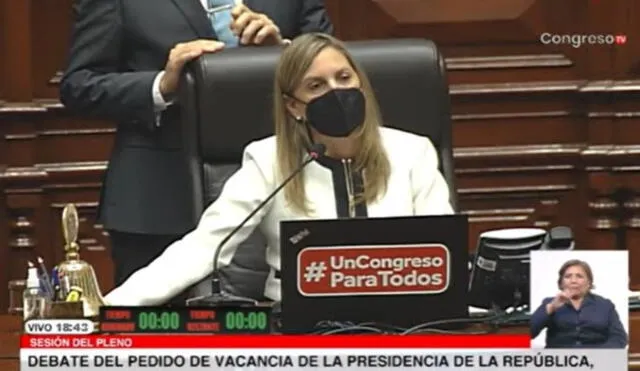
[(373, 270)]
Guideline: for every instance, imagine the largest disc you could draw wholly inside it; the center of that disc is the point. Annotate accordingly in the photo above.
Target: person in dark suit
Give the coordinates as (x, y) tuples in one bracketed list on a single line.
[(126, 57), (576, 317)]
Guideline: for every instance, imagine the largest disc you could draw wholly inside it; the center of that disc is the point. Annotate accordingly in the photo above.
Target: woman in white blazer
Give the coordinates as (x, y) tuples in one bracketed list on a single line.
[(321, 96)]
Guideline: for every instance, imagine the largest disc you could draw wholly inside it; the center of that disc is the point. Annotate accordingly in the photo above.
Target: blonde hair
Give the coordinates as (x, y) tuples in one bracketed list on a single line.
[(292, 137)]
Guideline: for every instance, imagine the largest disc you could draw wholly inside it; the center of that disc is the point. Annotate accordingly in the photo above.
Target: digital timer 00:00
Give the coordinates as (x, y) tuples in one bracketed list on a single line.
[(169, 321), (251, 321), (233, 321)]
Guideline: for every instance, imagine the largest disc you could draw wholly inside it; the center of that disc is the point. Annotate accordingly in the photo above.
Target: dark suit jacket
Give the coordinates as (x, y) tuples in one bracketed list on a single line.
[(117, 48)]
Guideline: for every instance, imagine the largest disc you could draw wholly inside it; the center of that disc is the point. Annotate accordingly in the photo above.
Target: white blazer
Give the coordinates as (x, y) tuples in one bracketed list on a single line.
[(415, 187)]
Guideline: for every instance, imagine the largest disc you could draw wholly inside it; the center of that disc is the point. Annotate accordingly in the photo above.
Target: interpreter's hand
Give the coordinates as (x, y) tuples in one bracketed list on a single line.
[(254, 28), (179, 56), (558, 301)]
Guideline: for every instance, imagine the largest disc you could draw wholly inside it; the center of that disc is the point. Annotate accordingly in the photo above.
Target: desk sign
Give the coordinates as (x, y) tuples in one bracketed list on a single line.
[(282, 352)]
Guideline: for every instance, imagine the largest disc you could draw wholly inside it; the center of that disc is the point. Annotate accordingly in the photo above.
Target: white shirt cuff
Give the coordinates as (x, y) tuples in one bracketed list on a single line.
[(159, 104), (158, 100)]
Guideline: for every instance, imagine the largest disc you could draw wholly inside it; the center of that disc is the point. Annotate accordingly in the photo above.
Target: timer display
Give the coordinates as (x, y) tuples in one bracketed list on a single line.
[(159, 321), (243, 321), (224, 320)]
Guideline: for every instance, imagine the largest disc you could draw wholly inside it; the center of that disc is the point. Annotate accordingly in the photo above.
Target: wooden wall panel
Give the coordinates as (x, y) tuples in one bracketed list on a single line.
[(544, 134), (5, 255), (536, 126), (3, 36), (51, 24), (54, 159), (17, 53)]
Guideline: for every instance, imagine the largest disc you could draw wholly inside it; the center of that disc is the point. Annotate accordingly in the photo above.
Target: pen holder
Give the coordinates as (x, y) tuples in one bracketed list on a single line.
[(64, 310)]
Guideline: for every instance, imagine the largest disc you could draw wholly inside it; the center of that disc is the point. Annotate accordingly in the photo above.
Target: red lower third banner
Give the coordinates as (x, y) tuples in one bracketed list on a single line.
[(274, 341)]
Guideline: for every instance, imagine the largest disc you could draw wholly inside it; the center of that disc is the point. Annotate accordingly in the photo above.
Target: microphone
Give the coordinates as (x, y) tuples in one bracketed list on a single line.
[(217, 296)]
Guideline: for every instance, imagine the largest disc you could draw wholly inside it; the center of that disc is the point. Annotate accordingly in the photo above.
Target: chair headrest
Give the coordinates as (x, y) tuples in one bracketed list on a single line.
[(235, 90)]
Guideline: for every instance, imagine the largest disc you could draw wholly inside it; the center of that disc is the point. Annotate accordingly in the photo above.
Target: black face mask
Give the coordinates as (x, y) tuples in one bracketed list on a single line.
[(338, 112)]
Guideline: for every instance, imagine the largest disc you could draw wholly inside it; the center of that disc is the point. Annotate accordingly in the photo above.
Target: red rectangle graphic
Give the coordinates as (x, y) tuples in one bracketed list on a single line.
[(275, 341)]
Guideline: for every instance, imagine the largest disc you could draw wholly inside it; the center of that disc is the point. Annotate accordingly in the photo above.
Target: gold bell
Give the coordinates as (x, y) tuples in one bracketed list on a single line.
[(77, 277)]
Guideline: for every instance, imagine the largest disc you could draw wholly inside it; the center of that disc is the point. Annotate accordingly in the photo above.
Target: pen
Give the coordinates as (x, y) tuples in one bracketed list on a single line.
[(66, 286), (219, 9), (47, 280), (55, 281), (41, 289), (223, 7)]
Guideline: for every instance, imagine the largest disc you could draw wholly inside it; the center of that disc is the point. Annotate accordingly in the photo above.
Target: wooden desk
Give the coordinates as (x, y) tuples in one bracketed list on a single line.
[(634, 340), (10, 327)]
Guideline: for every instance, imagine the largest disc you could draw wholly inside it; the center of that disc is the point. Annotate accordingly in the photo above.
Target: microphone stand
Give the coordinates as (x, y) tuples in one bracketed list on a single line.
[(218, 297)]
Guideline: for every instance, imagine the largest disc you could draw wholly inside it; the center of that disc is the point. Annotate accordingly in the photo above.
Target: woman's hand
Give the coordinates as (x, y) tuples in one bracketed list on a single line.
[(558, 301)]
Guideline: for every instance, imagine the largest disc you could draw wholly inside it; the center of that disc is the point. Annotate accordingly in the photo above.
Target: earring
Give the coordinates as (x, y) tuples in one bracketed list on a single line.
[(298, 119)]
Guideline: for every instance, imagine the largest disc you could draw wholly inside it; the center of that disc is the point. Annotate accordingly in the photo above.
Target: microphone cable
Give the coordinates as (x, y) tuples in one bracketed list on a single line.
[(494, 322), (465, 320), (337, 327), (354, 330)]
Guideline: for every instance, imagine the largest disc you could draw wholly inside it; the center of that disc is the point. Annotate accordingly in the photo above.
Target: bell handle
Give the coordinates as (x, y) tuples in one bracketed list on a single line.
[(70, 224)]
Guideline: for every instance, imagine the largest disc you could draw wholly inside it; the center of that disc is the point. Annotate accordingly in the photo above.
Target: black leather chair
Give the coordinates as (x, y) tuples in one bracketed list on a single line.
[(226, 98)]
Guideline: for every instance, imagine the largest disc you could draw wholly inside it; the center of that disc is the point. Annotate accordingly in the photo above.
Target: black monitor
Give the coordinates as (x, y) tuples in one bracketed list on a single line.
[(500, 272)]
